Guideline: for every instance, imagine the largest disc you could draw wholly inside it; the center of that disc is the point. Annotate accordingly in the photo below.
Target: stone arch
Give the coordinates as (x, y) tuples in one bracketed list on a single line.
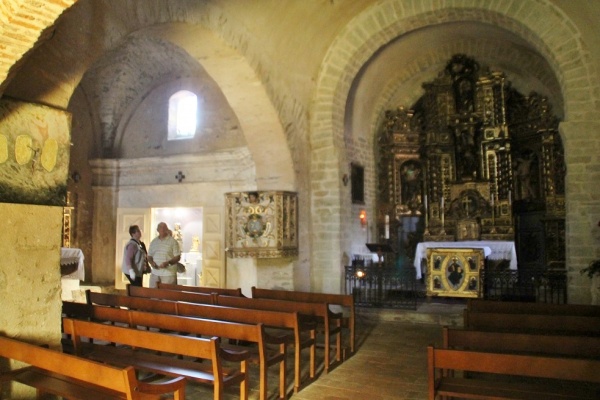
[(377, 26), (16, 19), (227, 65)]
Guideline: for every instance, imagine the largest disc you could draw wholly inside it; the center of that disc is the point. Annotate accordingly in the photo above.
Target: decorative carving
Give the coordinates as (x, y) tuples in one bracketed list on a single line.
[(262, 224), (454, 272), (472, 155)]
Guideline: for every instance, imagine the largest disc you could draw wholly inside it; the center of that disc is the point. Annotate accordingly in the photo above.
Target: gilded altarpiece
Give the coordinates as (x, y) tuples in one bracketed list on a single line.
[(262, 224), (472, 160)]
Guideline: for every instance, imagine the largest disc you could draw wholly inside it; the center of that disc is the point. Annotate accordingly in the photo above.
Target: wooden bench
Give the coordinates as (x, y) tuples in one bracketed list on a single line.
[(554, 324), (510, 342), (343, 300), (68, 376), (254, 333), (515, 307), (201, 289), (510, 372), (175, 295), (303, 328), (332, 322), (138, 348)]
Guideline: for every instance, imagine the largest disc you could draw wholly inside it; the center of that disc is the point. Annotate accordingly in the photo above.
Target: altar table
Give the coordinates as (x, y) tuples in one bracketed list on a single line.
[(70, 255), (493, 250)]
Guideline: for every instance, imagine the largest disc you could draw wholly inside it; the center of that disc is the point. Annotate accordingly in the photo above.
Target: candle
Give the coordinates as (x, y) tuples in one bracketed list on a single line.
[(509, 197), (425, 203), (442, 211), (387, 226)]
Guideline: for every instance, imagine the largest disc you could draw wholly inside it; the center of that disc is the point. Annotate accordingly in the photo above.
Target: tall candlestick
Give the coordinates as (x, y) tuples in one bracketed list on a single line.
[(387, 226), (509, 197), (426, 216)]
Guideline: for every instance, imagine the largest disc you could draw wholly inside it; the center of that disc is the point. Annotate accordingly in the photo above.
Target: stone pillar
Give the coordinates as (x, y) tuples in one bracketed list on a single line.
[(30, 284), (103, 232), (582, 235)]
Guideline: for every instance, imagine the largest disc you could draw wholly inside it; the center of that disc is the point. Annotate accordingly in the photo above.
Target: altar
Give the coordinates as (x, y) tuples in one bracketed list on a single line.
[(493, 250), (72, 263)]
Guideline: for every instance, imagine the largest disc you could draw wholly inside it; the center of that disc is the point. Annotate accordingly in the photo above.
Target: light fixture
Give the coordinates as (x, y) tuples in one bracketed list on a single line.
[(360, 274), (363, 217)]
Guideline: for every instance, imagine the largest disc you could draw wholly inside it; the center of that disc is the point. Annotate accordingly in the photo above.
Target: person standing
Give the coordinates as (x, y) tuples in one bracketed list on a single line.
[(135, 257), (163, 256)]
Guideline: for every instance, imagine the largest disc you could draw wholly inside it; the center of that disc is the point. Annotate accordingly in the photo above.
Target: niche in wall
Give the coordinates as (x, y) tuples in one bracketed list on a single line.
[(186, 227)]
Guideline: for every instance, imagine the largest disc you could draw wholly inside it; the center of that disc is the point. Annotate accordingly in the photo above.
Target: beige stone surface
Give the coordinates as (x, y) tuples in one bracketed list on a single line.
[(30, 289)]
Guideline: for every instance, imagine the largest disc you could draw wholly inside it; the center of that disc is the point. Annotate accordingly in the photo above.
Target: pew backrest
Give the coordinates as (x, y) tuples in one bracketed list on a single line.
[(175, 295), (556, 324), (443, 382), (77, 375), (516, 307), (222, 329), (511, 342), (201, 289), (132, 303)]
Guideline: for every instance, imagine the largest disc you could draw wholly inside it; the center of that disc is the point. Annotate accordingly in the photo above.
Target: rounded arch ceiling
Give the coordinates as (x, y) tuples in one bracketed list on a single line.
[(394, 75)]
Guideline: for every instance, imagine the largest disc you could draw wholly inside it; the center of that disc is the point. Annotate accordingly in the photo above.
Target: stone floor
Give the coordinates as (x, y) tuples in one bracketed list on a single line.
[(390, 362)]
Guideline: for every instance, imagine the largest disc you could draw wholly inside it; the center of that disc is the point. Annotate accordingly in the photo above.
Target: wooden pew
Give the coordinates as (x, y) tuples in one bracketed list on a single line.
[(303, 327), (68, 376), (445, 378), (531, 343), (253, 333), (175, 295), (552, 324), (134, 344), (515, 307), (332, 322), (343, 300), (201, 289)]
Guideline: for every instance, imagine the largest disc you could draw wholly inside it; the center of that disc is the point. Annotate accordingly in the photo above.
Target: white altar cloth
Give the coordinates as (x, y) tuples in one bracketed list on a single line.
[(493, 249), (70, 256)]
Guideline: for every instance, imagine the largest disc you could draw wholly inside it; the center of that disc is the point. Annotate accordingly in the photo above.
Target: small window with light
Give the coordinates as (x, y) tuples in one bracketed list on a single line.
[(183, 115)]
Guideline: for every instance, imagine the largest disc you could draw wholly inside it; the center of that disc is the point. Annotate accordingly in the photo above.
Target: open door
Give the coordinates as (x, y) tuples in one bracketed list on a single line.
[(125, 218)]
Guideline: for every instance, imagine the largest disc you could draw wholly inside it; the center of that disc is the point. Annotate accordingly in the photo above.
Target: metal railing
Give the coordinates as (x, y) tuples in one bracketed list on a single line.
[(535, 285), (375, 285)]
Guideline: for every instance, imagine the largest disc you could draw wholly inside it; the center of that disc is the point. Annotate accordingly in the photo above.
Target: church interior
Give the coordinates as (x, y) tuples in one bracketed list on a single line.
[(279, 138)]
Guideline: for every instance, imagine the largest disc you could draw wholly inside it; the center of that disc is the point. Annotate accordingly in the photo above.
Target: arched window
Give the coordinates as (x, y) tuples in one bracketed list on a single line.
[(183, 115)]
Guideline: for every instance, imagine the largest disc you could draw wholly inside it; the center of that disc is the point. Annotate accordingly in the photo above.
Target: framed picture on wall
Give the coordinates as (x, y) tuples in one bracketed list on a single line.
[(357, 179)]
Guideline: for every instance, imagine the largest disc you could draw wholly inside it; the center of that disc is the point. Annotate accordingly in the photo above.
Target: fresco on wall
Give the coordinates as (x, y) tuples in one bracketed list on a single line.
[(34, 153)]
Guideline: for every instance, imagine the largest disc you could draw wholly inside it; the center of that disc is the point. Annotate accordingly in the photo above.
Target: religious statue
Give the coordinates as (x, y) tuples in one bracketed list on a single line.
[(411, 184), (523, 173), (195, 244), (178, 235)]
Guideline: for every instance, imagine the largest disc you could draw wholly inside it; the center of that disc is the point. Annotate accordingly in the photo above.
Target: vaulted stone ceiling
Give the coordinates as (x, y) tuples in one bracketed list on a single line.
[(391, 77), (394, 76)]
